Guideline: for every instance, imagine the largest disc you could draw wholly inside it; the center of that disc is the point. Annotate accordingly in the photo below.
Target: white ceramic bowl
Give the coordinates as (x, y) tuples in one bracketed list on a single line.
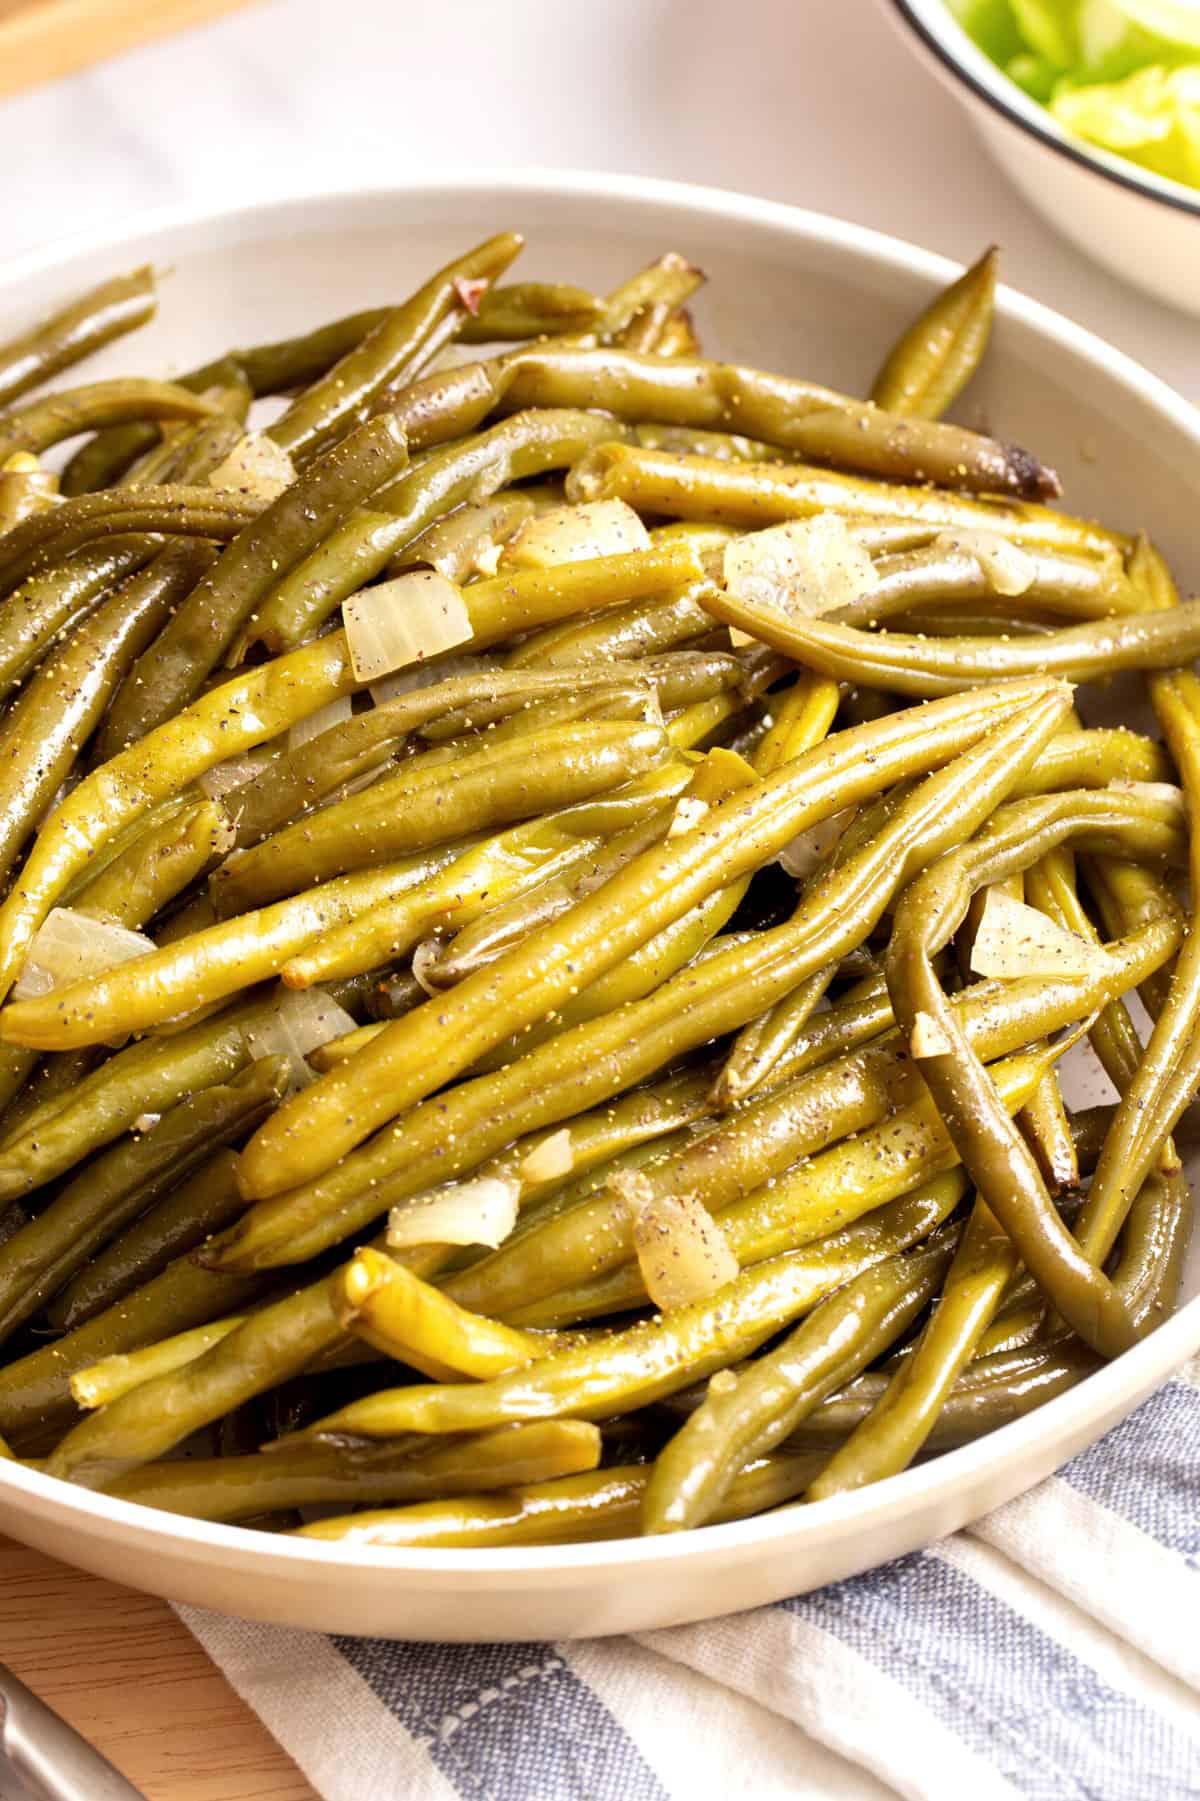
[(1143, 226), (788, 290)]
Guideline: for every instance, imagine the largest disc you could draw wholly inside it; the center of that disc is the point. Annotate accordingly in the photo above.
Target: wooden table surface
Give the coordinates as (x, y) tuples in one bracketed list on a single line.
[(124, 1672)]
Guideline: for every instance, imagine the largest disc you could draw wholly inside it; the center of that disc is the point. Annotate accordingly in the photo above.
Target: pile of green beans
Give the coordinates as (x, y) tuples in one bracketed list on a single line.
[(648, 913)]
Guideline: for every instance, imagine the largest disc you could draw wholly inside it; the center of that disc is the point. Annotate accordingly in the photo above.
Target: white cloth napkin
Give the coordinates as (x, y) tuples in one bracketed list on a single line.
[(1050, 1652)]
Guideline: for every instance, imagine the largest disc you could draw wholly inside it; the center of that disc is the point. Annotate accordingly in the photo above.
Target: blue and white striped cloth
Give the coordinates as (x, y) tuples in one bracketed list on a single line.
[(1051, 1652)]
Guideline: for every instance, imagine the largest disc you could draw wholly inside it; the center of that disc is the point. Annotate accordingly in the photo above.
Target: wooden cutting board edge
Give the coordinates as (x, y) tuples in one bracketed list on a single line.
[(42, 40)]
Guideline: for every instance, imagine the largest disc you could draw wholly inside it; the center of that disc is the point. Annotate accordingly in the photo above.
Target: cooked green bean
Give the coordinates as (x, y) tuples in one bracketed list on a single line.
[(47, 1252), (50, 721), (529, 443), (923, 667), (114, 1376), (799, 416), (998, 1159), (182, 1219), (757, 494), (745, 1416), (43, 423), (900, 1423), (159, 864), (438, 1041), (105, 312), (235, 717), (173, 669), (948, 573), (337, 398), (306, 1475), (572, 1510), (935, 358), (41, 542), (32, 617)]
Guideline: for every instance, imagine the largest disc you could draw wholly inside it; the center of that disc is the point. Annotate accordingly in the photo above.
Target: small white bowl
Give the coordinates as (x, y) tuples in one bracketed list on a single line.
[(788, 290), (1142, 226)]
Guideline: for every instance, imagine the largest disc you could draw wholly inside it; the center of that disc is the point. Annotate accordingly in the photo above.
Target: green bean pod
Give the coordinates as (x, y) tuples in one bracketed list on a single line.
[(43, 423), (32, 617), (528, 443), (337, 398), (47, 726), (935, 358), (799, 416), (925, 667), (752, 495), (440, 1040), (172, 671), (172, 1226), (306, 1475), (96, 318), (46, 1253), (572, 1510), (745, 1416)]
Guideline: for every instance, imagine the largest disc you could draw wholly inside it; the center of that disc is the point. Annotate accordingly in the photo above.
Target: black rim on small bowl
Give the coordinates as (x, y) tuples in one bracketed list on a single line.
[(1042, 133)]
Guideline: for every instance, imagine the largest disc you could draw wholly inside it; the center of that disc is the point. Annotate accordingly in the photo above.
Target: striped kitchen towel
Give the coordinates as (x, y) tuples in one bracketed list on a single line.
[(1051, 1652)]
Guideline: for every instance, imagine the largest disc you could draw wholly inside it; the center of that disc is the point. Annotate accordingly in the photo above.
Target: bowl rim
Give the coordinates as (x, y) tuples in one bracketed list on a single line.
[(1105, 1392), (962, 58)]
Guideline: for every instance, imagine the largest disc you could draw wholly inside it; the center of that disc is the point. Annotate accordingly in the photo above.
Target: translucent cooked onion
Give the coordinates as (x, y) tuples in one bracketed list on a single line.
[(1016, 940), (681, 1250), (1009, 568), (256, 466), (550, 1159), (298, 1023), (323, 720), (808, 849), (70, 946), (427, 953), (575, 534), (806, 567), (483, 1211), (407, 620)]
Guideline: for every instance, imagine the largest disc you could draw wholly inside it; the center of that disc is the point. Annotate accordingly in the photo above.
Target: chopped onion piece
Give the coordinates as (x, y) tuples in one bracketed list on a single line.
[(1009, 568), (70, 946), (487, 557), (427, 675), (483, 1211), (299, 1021), (233, 773), (323, 720), (146, 1121), (550, 1159), (739, 639), (681, 1250), (575, 534), (256, 466), (810, 848), (1016, 940), (426, 954), (689, 811), (407, 620), (929, 1037), (805, 567)]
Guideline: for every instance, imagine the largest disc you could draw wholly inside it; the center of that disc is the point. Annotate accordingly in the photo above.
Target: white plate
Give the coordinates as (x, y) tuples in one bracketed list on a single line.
[(789, 290), (1144, 227)]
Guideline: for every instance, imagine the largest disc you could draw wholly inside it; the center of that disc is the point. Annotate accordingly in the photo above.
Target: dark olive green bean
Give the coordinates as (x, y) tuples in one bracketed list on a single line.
[(744, 1416), (173, 670), (182, 1219), (31, 618), (937, 355), (46, 422), (105, 312), (338, 398), (38, 1260)]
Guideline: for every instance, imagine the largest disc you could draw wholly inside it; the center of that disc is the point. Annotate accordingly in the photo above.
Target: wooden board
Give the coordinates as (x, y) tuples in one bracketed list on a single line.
[(41, 40), (125, 1673)]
